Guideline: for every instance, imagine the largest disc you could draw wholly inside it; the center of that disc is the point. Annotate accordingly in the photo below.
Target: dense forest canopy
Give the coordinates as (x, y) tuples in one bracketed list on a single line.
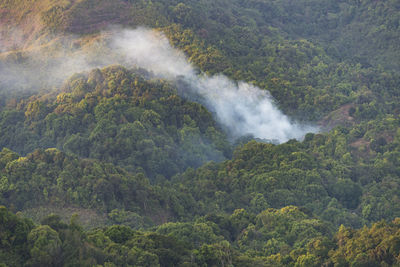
[(105, 164)]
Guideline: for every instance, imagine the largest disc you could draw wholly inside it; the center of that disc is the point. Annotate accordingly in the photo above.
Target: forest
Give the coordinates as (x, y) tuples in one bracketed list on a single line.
[(104, 163)]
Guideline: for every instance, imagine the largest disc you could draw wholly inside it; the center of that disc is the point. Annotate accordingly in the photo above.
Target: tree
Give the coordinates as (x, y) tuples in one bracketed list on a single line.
[(44, 247)]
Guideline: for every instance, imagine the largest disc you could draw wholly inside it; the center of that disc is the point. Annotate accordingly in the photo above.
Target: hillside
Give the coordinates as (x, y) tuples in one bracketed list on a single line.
[(205, 242), (199, 133), (267, 43), (119, 116)]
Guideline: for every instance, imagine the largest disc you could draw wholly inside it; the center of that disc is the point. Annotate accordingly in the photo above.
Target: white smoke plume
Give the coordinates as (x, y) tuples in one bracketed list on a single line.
[(242, 108)]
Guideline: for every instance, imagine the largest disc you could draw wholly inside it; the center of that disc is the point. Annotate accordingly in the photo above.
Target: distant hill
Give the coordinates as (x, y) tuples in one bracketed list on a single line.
[(305, 53)]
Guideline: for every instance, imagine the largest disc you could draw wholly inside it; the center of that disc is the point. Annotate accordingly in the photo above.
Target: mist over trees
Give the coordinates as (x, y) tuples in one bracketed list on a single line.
[(130, 165)]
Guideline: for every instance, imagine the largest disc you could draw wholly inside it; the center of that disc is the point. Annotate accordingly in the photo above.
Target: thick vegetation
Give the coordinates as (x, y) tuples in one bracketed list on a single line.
[(173, 189), (294, 239), (312, 56), (346, 177), (117, 116)]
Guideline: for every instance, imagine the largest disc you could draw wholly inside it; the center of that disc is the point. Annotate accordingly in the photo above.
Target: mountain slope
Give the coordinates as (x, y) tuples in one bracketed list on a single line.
[(281, 47), (124, 145), (120, 116)]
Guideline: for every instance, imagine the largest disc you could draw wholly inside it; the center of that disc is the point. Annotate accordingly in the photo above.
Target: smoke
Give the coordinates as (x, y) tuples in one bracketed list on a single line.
[(10, 39), (150, 50), (49, 65), (241, 108), (246, 109)]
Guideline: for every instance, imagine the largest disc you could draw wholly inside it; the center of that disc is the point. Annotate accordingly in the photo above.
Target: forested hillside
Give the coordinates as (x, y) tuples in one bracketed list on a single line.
[(233, 240), (120, 116), (105, 161)]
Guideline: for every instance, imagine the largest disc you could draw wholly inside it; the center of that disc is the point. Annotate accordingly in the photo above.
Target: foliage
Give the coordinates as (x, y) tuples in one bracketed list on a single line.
[(123, 144), (50, 177), (119, 116), (345, 177), (279, 238), (313, 56)]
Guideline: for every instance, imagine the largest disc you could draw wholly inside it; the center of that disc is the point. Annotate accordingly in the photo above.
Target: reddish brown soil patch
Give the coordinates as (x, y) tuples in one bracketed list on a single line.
[(360, 143), (338, 117), (361, 148)]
